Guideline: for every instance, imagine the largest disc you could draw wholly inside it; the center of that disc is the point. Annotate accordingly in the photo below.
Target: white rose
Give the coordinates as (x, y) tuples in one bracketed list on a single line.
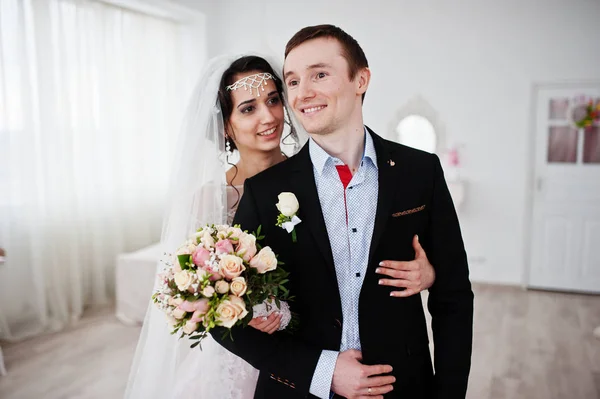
[(264, 261), (238, 286), (184, 280), (208, 291), (179, 313), (288, 204), (231, 266), (246, 246), (230, 311), (222, 286), (207, 240), (190, 327)]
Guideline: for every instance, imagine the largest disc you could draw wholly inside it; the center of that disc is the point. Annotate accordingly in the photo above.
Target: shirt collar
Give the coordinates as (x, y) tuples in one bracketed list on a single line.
[(319, 157)]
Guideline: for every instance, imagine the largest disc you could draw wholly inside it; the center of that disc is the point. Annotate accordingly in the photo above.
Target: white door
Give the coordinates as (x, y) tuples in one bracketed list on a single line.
[(565, 253)]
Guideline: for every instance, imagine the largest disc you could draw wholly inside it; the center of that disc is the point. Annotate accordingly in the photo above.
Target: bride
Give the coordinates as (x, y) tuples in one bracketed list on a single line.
[(237, 110)]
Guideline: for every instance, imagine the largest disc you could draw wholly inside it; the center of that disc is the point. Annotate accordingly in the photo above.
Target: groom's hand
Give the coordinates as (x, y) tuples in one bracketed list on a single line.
[(416, 275), (352, 379)]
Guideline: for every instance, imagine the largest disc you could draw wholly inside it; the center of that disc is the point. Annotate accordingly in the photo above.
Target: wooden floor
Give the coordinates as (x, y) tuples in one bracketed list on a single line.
[(528, 344)]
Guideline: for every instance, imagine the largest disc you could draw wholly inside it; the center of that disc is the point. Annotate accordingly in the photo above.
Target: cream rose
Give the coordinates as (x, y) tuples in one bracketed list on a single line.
[(231, 266), (184, 280), (230, 311), (190, 327), (175, 301), (288, 204), (246, 246), (240, 305), (179, 313), (222, 286), (208, 291), (223, 232), (234, 232), (264, 261), (238, 286)]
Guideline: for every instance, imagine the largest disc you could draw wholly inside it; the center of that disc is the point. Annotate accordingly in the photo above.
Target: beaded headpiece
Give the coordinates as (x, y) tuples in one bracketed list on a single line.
[(257, 81)]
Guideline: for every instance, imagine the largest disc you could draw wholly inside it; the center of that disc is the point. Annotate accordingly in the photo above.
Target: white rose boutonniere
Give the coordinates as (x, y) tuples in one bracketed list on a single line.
[(288, 207)]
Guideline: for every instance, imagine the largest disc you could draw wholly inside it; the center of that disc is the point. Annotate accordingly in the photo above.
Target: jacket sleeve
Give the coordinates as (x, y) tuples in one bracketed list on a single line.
[(451, 298)]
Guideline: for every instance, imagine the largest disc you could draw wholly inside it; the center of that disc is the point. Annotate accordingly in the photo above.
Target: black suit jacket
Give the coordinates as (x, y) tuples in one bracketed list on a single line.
[(413, 199)]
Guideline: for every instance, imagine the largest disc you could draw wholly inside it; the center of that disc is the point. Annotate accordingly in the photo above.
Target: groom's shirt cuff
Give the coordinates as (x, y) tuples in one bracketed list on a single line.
[(320, 385)]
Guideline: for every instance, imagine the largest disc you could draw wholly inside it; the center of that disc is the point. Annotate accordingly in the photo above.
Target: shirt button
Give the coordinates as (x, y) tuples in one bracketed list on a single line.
[(354, 230)]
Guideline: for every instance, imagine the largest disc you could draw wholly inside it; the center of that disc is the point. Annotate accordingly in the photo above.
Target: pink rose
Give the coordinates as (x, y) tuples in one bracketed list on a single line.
[(200, 256), (197, 317), (264, 261), (193, 306), (224, 247), (200, 309)]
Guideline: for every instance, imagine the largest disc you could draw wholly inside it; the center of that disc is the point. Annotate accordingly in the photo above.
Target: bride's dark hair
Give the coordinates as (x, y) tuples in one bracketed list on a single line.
[(249, 63)]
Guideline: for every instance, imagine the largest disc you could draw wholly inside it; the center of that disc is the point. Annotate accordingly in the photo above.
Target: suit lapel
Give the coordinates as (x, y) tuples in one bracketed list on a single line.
[(389, 180), (310, 207)]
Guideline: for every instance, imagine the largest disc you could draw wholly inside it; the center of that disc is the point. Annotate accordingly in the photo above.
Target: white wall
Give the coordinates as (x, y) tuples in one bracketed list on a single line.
[(474, 61)]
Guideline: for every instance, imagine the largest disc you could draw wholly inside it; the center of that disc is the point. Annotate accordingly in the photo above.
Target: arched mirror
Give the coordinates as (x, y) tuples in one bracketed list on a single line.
[(417, 124), (417, 131)]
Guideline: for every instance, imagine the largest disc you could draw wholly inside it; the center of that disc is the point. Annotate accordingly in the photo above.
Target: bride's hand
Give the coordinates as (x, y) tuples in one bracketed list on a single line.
[(416, 275), (267, 324)]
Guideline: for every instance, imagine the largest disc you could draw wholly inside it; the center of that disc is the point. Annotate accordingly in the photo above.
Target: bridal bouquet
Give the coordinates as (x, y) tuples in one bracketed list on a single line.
[(215, 277)]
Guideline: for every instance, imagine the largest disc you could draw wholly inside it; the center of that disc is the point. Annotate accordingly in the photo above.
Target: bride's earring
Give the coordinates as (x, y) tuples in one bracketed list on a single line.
[(227, 146)]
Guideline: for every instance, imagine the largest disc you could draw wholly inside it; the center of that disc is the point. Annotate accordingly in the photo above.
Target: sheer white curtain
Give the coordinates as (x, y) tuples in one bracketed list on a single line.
[(91, 99)]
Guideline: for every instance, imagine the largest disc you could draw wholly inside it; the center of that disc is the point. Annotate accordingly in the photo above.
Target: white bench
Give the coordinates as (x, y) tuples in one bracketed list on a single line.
[(135, 276), (2, 367)]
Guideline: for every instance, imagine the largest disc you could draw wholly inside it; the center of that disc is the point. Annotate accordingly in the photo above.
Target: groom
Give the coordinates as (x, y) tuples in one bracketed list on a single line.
[(362, 199)]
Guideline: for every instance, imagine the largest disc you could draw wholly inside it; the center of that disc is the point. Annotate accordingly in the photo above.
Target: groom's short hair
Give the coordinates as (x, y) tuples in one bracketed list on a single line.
[(351, 50)]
